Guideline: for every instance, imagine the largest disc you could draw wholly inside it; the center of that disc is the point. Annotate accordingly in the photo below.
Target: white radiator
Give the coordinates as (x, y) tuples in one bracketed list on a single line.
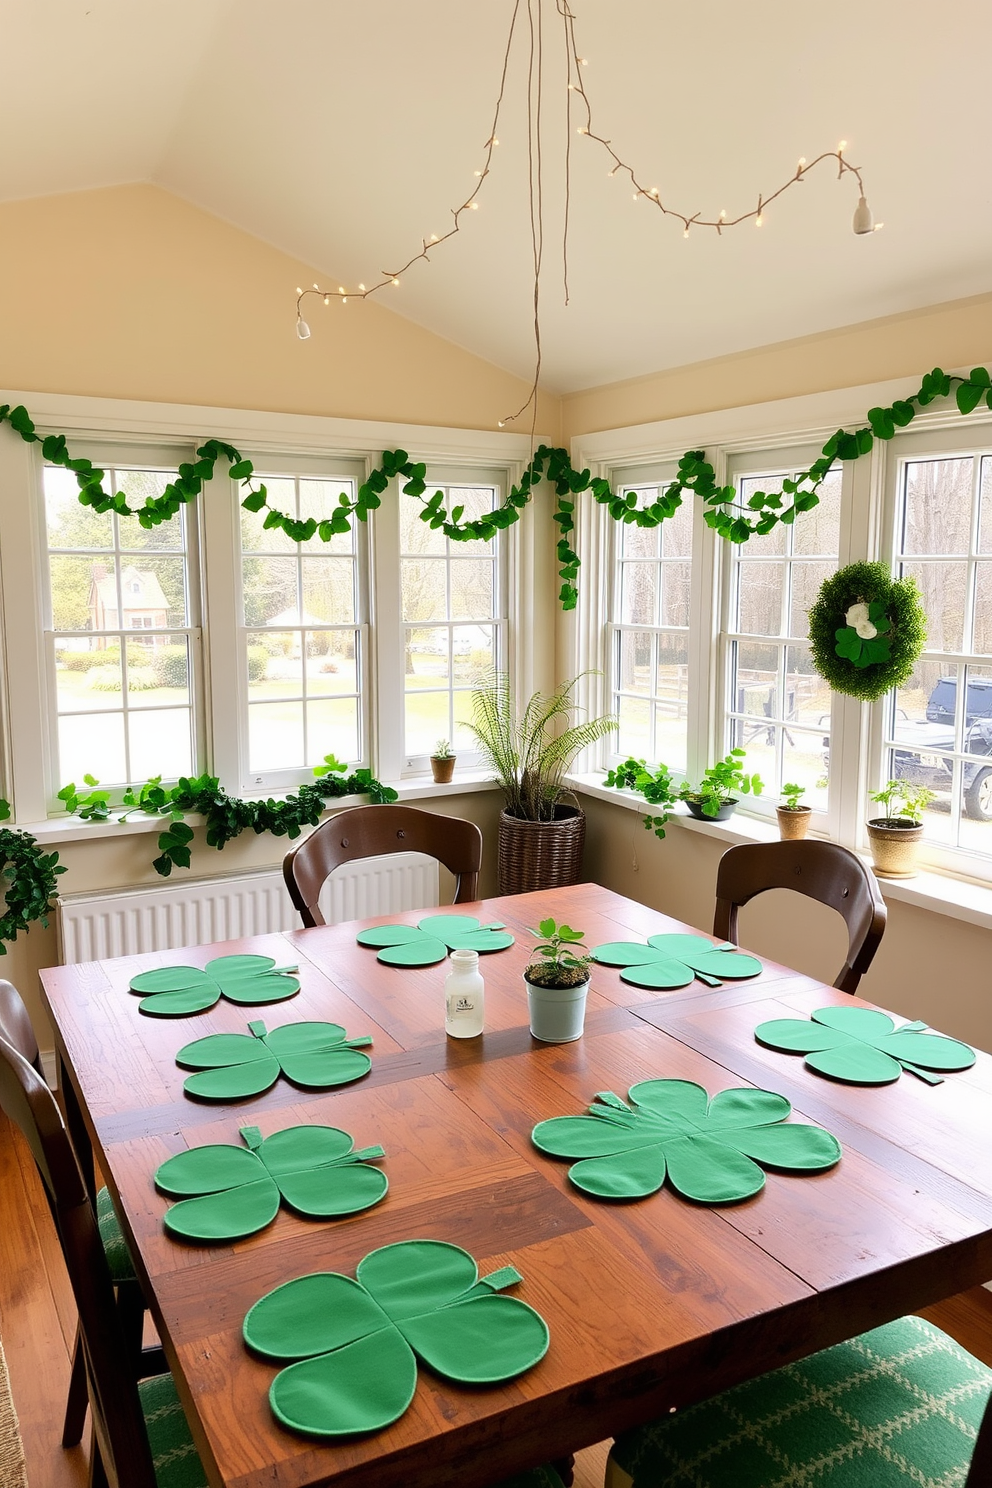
[(119, 922)]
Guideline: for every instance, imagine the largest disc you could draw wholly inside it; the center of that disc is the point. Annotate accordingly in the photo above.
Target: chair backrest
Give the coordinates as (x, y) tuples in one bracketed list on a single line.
[(116, 1408), (372, 831), (15, 1025), (820, 870)]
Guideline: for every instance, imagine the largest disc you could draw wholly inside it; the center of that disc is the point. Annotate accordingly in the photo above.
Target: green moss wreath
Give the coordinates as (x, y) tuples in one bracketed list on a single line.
[(894, 604)]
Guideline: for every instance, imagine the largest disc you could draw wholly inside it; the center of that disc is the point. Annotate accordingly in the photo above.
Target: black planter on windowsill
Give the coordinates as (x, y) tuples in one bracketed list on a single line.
[(695, 808)]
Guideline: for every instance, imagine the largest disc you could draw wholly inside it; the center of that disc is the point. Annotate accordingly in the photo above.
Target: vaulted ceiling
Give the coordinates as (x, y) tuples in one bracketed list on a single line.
[(345, 134)]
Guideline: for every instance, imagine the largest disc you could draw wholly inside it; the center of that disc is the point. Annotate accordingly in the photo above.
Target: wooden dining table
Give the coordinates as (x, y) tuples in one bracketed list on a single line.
[(651, 1304)]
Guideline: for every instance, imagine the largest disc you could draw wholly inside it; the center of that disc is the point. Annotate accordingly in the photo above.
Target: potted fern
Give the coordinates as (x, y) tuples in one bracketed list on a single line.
[(541, 836)]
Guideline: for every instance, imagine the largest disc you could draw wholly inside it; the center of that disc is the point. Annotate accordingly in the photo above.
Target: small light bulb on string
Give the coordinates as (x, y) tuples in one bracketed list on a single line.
[(878, 226), (396, 282), (759, 221), (501, 424), (653, 191), (302, 329), (299, 289), (802, 162), (863, 221), (327, 299), (361, 289), (474, 206), (433, 237), (723, 214), (495, 141), (582, 129), (340, 289), (316, 286), (583, 61), (842, 147), (477, 173)]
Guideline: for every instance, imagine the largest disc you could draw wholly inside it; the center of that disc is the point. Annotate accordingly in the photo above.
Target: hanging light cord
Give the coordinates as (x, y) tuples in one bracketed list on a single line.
[(863, 221)]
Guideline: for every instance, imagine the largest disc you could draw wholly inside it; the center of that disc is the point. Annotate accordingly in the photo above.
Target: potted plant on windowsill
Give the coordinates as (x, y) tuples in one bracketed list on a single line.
[(895, 837), (793, 816), (557, 984), (541, 836), (442, 762), (713, 799)]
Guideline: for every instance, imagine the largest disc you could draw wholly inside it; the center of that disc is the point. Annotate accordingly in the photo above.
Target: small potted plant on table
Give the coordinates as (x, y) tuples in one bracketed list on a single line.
[(442, 762), (557, 984), (793, 817), (713, 799), (895, 837)]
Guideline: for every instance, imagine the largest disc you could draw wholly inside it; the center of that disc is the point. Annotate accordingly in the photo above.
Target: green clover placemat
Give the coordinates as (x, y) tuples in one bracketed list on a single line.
[(234, 1065), (863, 1047), (357, 1342), (178, 991), (430, 940), (228, 1192), (669, 961), (709, 1150)]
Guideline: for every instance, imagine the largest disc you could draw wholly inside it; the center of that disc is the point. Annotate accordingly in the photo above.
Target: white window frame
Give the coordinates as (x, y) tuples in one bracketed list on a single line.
[(766, 432), (27, 757), (390, 627), (111, 454)]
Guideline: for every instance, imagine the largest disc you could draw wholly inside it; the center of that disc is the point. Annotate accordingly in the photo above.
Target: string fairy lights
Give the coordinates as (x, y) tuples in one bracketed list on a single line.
[(863, 222)]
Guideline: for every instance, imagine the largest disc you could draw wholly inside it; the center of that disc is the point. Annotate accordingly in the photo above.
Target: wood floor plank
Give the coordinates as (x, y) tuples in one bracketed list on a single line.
[(35, 1318)]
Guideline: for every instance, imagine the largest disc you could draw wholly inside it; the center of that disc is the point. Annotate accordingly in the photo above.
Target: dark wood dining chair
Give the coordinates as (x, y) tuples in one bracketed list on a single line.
[(140, 1431), (16, 1029), (821, 870), (372, 832)]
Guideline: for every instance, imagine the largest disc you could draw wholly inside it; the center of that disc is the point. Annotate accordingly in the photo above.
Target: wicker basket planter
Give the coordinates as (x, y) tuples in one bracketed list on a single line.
[(540, 855)]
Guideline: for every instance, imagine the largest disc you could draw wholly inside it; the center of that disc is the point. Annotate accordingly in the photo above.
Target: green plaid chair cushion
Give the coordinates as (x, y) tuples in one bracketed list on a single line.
[(177, 1462), (898, 1407), (112, 1236)]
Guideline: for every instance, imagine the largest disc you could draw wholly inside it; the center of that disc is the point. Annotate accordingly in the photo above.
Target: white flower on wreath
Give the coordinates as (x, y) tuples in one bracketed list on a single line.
[(857, 616)]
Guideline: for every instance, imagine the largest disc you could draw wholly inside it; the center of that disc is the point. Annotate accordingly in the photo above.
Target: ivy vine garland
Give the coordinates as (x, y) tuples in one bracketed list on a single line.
[(29, 874), (726, 515), (866, 630)]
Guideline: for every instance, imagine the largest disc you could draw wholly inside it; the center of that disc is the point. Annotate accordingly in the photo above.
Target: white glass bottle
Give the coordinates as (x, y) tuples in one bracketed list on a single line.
[(464, 996)]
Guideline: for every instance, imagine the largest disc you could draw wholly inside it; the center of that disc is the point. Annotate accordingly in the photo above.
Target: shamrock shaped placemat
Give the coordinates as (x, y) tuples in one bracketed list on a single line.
[(357, 1342), (430, 940), (233, 1065), (228, 1192), (177, 991), (863, 1047), (675, 960), (709, 1150)]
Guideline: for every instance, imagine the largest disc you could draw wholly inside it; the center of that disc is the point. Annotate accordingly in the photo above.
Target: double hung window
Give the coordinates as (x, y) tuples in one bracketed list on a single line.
[(937, 727), (777, 706), (649, 633), (122, 631)]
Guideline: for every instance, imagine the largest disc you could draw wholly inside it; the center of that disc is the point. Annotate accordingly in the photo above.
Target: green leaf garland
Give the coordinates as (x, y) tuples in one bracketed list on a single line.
[(709, 1150), (356, 1343), (27, 873), (227, 1193), (862, 1046), (866, 668)]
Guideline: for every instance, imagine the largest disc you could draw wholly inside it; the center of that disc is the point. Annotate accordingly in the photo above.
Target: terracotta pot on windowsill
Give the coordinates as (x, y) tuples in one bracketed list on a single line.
[(895, 845), (442, 768), (793, 822)]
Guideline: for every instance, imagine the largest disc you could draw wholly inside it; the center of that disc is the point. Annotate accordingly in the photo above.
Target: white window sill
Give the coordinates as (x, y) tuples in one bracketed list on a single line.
[(941, 893), (66, 830)]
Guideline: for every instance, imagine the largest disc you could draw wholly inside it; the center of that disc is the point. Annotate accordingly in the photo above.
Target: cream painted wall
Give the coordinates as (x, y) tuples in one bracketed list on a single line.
[(130, 292), (928, 966), (126, 862), (955, 334)]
